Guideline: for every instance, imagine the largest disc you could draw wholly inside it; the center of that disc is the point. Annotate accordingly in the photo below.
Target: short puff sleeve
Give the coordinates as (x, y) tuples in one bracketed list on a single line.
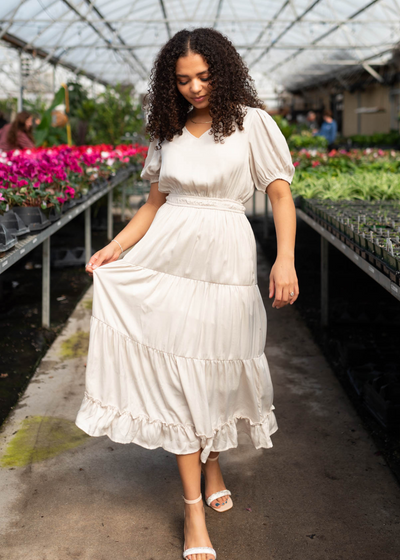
[(152, 165), (270, 157)]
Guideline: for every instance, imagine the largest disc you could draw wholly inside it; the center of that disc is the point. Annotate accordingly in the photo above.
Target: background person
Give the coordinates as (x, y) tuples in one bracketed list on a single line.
[(328, 128), (18, 134), (311, 120)]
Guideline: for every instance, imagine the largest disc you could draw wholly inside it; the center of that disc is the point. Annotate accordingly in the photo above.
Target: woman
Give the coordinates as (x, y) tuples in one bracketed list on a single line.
[(18, 134), (176, 353)]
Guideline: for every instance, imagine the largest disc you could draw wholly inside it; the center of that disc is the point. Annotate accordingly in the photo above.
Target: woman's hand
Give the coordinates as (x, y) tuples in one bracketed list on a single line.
[(283, 281), (108, 254)]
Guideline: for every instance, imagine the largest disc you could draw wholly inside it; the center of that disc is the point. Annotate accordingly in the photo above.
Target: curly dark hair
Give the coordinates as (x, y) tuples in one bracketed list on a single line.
[(232, 87)]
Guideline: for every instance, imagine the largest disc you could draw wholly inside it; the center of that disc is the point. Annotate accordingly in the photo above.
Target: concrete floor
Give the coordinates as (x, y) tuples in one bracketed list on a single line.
[(322, 492)]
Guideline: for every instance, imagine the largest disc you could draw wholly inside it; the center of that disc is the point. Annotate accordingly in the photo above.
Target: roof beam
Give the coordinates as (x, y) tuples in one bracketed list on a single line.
[(166, 20), (283, 47), (142, 73), (218, 12), (18, 43), (323, 36), (162, 21), (117, 35), (288, 28)]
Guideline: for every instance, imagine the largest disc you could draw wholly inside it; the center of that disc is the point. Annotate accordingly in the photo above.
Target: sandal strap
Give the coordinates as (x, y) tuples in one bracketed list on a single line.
[(192, 501), (200, 550), (217, 495)]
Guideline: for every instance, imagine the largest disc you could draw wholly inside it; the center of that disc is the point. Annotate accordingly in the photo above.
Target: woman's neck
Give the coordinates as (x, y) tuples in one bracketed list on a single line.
[(201, 114)]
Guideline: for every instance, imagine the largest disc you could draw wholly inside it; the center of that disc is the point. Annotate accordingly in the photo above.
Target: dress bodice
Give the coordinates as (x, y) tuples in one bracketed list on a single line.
[(253, 157)]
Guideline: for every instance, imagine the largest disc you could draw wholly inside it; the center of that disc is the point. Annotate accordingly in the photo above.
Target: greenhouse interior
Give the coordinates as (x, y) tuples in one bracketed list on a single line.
[(75, 84)]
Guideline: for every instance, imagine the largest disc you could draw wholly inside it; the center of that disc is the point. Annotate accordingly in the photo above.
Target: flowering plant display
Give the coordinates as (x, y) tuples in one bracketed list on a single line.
[(370, 174), (49, 177)]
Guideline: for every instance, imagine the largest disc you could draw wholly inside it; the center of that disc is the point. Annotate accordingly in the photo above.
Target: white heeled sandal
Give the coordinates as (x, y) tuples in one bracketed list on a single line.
[(197, 549), (220, 494)]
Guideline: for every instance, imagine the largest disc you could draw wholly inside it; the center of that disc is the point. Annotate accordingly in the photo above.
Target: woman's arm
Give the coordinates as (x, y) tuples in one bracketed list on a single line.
[(131, 233), (283, 278), (24, 141)]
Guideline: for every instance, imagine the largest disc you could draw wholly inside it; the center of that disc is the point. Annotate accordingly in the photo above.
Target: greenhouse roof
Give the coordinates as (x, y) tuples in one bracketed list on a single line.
[(283, 40)]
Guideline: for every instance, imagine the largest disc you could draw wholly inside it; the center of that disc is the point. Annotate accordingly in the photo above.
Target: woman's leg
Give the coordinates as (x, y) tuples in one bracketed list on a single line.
[(195, 529), (214, 481)]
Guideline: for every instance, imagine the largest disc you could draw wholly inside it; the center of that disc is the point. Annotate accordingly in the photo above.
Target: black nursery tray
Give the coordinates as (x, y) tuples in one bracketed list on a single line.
[(7, 240), (14, 224), (65, 257), (33, 217)]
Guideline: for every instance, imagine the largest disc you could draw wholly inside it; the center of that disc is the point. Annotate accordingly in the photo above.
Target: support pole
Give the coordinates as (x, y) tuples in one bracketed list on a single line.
[(88, 235), (20, 105), (324, 282), (46, 283), (109, 215), (254, 203)]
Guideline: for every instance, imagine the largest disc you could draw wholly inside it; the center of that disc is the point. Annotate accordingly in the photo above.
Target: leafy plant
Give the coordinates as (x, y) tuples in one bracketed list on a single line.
[(378, 139), (307, 140), (8, 106), (286, 128), (106, 119), (45, 134), (342, 186)]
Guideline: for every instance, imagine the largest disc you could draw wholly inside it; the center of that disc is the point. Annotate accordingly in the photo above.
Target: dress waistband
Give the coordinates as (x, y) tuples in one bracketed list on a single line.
[(206, 202)]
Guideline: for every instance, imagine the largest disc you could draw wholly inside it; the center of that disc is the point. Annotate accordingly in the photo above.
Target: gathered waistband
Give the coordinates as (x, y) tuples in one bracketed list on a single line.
[(206, 202)]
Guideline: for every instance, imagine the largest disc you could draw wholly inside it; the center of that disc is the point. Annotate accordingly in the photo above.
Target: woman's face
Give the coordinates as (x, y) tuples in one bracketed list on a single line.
[(192, 79), (28, 123)]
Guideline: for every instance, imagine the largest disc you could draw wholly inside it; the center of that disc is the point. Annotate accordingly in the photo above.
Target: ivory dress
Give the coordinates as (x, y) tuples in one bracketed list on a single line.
[(176, 350)]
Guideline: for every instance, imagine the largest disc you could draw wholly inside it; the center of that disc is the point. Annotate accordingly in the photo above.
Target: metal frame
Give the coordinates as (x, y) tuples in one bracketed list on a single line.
[(23, 247), (103, 31), (326, 238)]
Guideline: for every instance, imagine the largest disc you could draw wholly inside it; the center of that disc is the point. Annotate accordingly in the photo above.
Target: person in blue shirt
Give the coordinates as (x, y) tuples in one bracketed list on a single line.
[(328, 128)]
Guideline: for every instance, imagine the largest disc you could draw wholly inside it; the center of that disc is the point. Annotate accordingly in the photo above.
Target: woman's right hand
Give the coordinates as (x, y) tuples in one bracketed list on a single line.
[(108, 254)]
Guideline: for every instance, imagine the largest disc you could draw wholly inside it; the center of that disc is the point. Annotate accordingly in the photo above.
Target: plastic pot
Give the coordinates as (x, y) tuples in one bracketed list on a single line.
[(7, 240), (14, 224), (54, 214), (33, 217), (62, 258), (68, 205)]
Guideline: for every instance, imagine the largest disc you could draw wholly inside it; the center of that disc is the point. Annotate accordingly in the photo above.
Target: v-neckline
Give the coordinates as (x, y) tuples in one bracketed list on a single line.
[(197, 137)]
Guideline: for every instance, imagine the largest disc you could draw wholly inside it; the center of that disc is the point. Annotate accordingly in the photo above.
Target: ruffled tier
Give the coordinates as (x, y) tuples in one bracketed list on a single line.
[(137, 394), (97, 419), (181, 316)]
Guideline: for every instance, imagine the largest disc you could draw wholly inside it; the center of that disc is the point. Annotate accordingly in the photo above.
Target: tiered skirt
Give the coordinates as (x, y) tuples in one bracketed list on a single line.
[(176, 350)]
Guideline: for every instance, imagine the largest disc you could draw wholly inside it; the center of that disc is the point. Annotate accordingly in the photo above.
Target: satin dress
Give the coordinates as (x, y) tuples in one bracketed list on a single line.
[(178, 328)]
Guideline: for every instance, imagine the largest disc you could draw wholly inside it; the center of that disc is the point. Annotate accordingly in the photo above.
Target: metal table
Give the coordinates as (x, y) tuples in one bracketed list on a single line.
[(27, 244), (326, 238)]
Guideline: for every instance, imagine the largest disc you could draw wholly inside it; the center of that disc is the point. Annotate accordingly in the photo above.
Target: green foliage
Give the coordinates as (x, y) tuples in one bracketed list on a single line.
[(106, 119), (8, 106), (45, 134), (36, 106), (364, 185), (286, 128), (378, 139), (306, 140)]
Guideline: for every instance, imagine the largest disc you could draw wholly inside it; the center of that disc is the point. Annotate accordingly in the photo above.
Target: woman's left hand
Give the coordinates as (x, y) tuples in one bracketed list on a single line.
[(282, 282)]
